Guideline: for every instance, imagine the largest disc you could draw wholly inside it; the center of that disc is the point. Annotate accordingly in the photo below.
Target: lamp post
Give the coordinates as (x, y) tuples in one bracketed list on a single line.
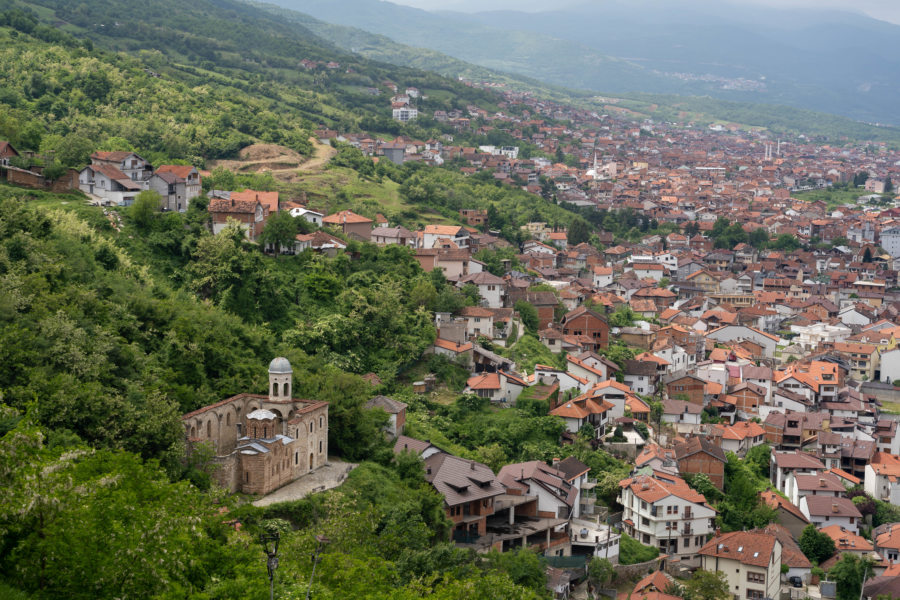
[(270, 547), (321, 541)]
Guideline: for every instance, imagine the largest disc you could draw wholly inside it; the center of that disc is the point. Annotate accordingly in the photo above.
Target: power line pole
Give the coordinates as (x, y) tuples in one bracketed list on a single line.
[(321, 541)]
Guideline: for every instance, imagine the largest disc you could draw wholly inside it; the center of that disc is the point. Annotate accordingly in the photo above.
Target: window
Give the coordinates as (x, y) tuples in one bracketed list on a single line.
[(755, 577), (755, 595), (321, 420), (320, 446)]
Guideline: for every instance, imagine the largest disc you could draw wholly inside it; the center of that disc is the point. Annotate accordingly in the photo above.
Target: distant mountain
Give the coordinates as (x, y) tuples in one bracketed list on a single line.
[(459, 35), (831, 61)]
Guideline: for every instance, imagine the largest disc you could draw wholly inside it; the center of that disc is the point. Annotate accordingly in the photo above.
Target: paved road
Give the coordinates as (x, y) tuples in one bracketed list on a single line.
[(330, 476)]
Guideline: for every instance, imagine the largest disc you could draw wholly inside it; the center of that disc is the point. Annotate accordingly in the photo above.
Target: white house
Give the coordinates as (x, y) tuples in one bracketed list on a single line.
[(534, 478), (311, 216), (890, 241), (680, 412), (890, 365), (783, 463), (823, 511), (110, 184), (664, 512), (433, 234), (882, 478), (750, 560), (497, 387), (490, 288), (567, 381), (603, 276), (737, 333), (823, 484)]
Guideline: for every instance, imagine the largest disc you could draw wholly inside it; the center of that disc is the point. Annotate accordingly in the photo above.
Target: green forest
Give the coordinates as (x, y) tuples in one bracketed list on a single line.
[(113, 325)]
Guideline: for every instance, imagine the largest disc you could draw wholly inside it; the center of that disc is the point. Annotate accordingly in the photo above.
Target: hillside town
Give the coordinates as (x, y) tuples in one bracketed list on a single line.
[(710, 312)]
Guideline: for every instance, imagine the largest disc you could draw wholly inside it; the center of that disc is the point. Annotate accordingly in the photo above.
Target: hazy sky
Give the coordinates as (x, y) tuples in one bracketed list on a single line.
[(888, 10)]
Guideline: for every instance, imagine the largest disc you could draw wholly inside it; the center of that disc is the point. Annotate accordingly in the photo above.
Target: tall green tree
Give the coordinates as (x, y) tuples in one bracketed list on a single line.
[(281, 231), (815, 545), (579, 232), (146, 205), (708, 585), (850, 573)]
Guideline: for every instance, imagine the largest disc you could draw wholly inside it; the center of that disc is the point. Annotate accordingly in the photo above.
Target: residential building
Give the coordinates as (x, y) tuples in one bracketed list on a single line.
[(823, 511), (750, 560), (788, 515), (177, 185), (351, 224), (554, 492), (664, 512), (395, 410), (699, 455), (586, 322), (250, 216)]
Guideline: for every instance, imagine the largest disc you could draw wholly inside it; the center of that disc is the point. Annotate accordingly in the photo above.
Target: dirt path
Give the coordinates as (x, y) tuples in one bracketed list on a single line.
[(323, 153), (283, 163)]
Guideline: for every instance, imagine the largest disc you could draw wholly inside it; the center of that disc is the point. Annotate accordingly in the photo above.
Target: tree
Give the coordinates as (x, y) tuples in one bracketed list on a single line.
[(601, 571), (145, 207), (280, 231), (786, 242), (74, 150), (529, 315), (850, 573), (708, 585), (815, 545), (758, 238), (759, 459), (579, 232)]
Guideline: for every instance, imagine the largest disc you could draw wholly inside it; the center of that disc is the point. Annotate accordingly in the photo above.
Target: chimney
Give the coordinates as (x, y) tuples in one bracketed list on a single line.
[(472, 465), (555, 461), (834, 507), (821, 483)]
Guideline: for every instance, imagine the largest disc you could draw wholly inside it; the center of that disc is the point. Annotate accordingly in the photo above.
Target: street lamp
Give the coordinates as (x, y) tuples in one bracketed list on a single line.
[(271, 557), (321, 541)]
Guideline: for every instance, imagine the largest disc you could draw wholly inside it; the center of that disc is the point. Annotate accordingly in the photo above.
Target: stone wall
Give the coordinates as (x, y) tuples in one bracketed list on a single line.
[(227, 471), (636, 571)]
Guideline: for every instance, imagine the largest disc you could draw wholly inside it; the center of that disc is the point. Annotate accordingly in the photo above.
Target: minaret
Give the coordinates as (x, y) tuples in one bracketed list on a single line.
[(281, 377)]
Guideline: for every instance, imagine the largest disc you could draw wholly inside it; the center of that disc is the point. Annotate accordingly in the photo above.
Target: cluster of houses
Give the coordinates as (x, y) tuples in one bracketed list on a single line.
[(546, 508), (116, 178)]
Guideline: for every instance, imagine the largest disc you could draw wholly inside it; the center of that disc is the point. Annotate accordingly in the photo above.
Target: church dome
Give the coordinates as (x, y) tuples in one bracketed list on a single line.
[(261, 414), (280, 365)]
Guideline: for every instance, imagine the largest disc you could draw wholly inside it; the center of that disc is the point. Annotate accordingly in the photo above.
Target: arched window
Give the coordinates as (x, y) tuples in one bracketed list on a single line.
[(275, 389), (310, 461), (193, 431), (209, 429), (296, 458), (321, 420), (287, 390), (320, 446), (311, 426), (228, 419)]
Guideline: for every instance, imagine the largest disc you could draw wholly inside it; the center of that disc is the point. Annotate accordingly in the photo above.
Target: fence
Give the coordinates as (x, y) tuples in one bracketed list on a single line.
[(567, 562)]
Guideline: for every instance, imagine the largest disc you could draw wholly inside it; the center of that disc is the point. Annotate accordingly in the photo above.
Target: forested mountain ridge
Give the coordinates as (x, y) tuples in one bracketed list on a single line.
[(191, 68)]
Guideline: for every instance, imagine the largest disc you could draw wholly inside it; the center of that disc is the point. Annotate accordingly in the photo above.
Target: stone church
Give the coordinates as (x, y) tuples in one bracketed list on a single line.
[(262, 442)]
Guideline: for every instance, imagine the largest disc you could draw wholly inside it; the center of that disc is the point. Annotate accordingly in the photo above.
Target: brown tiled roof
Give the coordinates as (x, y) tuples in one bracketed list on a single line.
[(460, 480), (835, 507), (749, 547)]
